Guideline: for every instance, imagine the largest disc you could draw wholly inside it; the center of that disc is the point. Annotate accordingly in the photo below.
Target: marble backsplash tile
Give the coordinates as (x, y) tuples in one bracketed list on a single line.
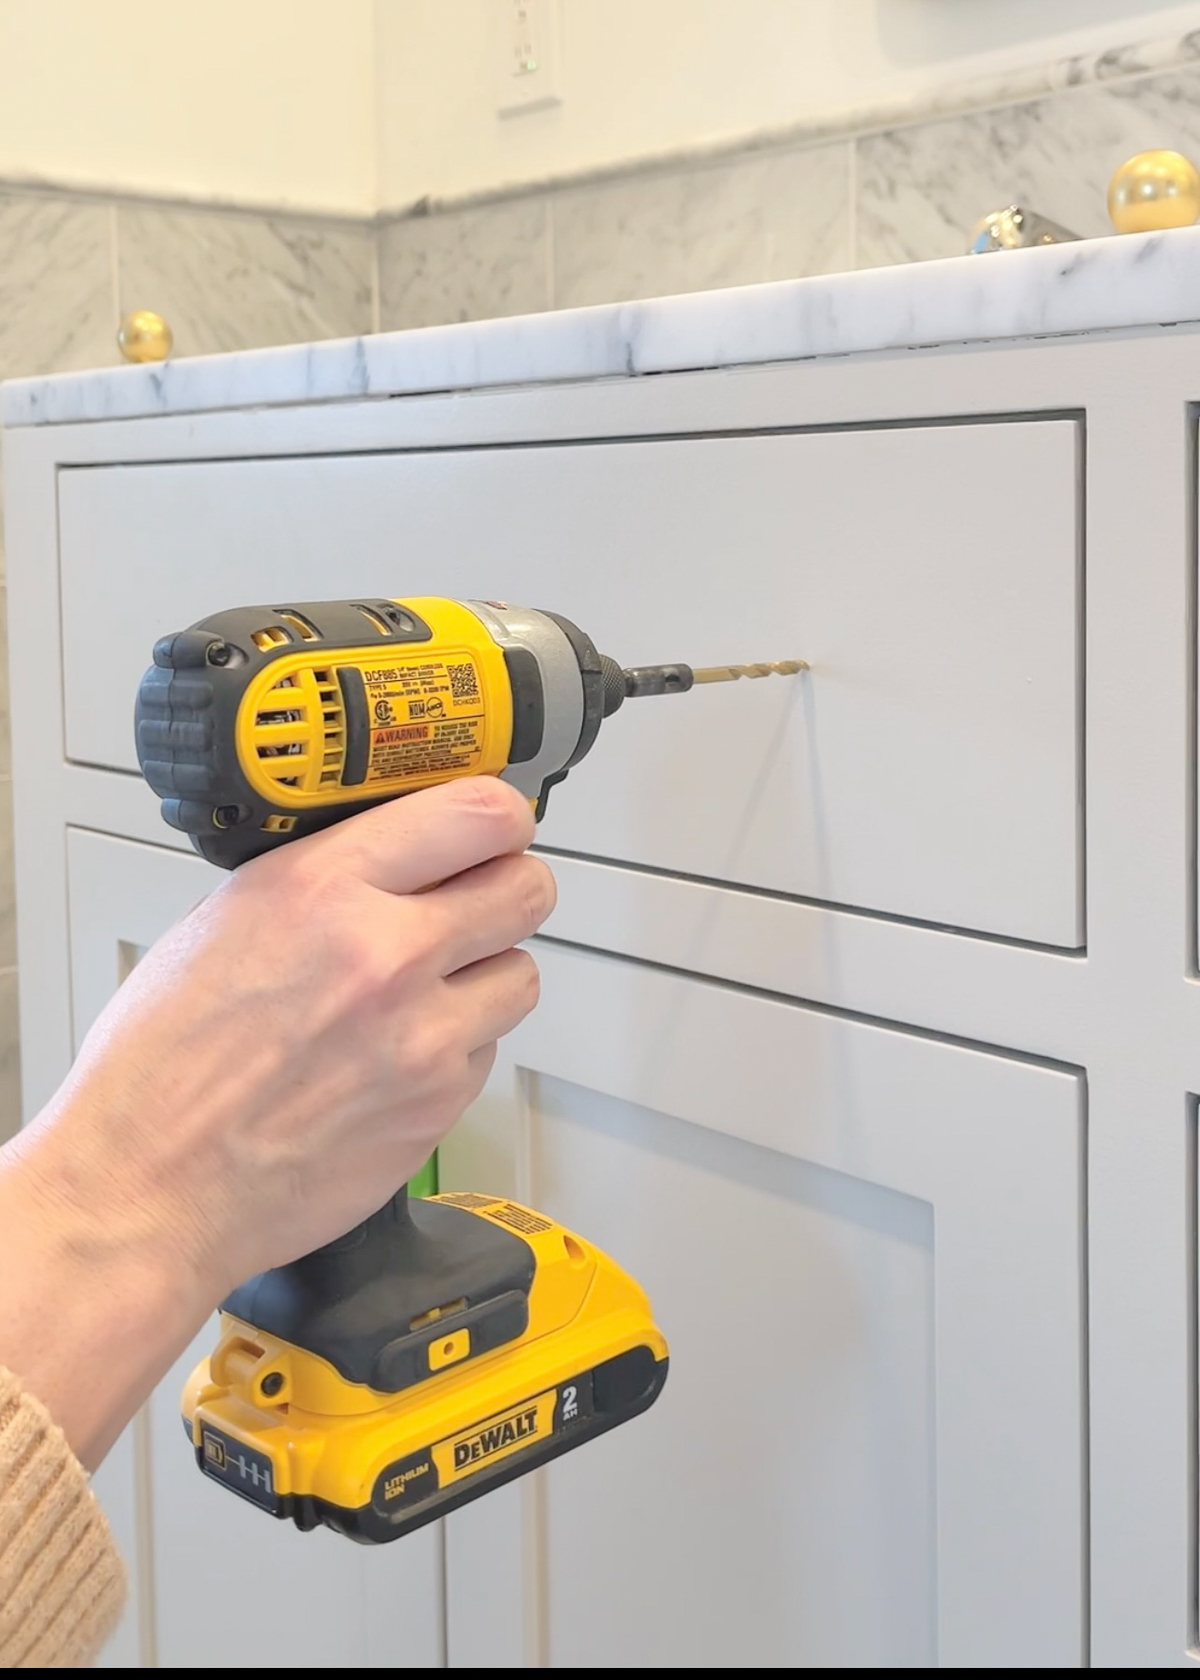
[(56, 307), (901, 195), (920, 190), (463, 265), (808, 196), (758, 218), (230, 281)]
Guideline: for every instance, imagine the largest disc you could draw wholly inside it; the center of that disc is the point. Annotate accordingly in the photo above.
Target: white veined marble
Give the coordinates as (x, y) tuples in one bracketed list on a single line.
[(464, 265), (955, 96), (922, 188), (227, 280), (1132, 281)]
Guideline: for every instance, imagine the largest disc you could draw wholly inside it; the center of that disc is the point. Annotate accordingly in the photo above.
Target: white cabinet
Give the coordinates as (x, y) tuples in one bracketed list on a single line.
[(871, 1007), (928, 766), (216, 1584), (860, 1243)]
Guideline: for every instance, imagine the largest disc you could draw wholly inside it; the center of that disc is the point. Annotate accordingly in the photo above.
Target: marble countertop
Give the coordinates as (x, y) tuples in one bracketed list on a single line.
[(1135, 280)]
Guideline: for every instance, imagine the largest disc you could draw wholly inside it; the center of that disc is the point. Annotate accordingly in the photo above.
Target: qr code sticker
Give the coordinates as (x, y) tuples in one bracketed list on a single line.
[(464, 684)]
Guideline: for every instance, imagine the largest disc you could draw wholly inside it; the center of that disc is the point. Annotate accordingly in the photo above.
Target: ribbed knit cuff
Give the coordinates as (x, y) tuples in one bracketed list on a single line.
[(62, 1583)]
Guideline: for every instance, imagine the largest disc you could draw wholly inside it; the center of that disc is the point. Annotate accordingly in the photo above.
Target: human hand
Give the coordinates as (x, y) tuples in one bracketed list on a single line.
[(273, 1069)]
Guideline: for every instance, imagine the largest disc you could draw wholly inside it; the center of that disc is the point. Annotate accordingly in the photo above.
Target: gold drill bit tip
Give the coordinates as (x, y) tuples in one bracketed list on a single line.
[(765, 668)]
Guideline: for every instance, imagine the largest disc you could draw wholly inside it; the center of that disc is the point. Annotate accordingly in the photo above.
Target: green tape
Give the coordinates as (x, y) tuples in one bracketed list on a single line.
[(425, 1182)]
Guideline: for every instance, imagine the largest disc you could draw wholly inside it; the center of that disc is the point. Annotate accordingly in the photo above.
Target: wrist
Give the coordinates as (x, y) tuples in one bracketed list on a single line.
[(93, 1310)]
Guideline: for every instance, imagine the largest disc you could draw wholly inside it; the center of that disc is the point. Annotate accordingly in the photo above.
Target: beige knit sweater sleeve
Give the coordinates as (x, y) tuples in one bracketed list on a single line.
[(62, 1583)]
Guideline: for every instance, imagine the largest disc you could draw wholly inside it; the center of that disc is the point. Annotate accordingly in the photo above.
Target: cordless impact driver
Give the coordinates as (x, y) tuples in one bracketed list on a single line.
[(446, 1345)]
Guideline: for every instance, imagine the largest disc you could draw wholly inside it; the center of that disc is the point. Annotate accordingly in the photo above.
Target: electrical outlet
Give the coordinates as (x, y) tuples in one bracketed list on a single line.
[(527, 55)]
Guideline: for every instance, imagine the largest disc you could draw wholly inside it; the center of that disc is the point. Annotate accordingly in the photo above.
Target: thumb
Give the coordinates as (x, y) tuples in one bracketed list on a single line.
[(423, 838)]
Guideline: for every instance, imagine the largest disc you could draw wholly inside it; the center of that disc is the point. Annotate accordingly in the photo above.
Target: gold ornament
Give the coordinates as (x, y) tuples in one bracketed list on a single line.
[(145, 337), (1154, 190)]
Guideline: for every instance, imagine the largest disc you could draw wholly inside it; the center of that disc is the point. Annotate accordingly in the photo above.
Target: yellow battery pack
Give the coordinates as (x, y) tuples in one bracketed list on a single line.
[(545, 1344)]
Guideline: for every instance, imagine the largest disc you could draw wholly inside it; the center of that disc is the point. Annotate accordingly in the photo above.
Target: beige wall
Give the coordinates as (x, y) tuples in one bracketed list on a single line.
[(648, 76), (254, 102), (352, 106)]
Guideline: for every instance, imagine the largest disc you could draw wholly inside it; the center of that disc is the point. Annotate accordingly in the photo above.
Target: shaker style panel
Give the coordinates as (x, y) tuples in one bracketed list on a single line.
[(864, 1248), (927, 765)]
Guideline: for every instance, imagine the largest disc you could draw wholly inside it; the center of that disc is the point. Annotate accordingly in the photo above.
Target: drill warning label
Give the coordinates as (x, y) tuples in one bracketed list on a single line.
[(426, 717)]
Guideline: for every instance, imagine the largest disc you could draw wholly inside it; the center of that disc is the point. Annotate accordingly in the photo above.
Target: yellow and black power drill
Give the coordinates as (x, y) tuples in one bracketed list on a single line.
[(444, 1346)]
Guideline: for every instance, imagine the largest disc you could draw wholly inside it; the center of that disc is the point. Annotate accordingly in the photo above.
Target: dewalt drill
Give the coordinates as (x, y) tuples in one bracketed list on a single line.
[(447, 1345)]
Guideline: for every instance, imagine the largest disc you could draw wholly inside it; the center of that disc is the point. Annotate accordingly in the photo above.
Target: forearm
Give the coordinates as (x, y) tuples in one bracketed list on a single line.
[(92, 1311)]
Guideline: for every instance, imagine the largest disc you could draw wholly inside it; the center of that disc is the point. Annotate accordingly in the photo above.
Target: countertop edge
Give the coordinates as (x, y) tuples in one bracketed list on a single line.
[(1123, 282)]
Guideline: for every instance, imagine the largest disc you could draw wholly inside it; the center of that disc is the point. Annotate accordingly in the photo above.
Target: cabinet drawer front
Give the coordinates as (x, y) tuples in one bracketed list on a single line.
[(928, 765)]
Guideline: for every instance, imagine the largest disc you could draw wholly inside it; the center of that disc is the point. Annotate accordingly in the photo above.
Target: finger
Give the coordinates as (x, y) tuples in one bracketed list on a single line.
[(495, 995), (425, 837), (488, 909)]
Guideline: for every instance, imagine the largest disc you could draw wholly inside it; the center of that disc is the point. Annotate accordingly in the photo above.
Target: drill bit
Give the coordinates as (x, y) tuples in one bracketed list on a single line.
[(731, 673), (641, 680)]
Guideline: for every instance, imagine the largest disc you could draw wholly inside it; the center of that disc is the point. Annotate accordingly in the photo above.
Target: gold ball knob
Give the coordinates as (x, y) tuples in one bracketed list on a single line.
[(145, 337), (1154, 190)]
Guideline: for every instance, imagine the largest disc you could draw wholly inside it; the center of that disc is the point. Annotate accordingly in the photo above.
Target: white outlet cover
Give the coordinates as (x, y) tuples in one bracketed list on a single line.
[(527, 51)]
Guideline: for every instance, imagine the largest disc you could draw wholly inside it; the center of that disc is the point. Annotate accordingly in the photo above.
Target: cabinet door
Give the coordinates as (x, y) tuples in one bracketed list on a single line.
[(927, 766), (865, 1250), (215, 1583)]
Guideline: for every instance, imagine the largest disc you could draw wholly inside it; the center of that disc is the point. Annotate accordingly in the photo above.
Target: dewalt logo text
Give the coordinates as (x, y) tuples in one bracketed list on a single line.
[(496, 1437), (502, 1434)]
